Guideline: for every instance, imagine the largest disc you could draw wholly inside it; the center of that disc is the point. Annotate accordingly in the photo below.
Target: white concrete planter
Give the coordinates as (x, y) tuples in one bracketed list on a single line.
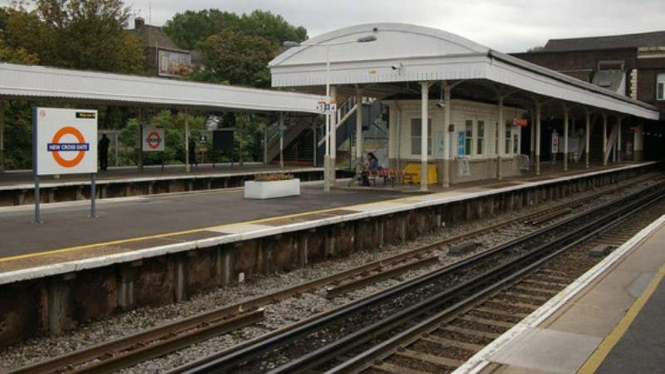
[(272, 189)]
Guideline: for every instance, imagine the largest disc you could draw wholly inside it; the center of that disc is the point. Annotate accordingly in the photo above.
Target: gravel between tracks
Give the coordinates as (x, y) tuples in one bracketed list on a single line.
[(279, 315)]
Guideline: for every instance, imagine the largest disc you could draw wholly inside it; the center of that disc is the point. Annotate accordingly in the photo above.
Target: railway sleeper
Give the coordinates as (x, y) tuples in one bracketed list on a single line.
[(395, 369), (528, 297), (470, 332), (549, 292), (437, 360), (489, 309), (486, 321), (444, 342)]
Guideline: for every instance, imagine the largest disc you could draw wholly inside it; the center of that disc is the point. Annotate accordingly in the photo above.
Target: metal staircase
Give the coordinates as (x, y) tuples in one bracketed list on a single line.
[(346, 121), (298, 131)]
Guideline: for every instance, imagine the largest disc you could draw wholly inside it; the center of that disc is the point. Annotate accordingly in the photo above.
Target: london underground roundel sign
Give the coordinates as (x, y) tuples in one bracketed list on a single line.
[(153, 138), (65, 141)]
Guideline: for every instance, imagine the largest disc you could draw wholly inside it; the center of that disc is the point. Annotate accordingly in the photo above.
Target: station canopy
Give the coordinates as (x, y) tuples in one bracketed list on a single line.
[(403, 55), (29, 82)]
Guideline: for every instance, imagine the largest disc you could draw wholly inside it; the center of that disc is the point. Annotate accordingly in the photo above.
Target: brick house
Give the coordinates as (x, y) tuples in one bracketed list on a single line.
[(632, 65), (163, 57)]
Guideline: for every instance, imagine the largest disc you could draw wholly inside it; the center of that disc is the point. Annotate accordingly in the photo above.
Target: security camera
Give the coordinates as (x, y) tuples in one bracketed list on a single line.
[(440, 104), (394, 67), (375, 29)]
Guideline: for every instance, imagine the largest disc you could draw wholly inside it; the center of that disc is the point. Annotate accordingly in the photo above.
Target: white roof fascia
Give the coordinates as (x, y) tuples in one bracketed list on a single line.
[(456, 68), (467, 66), (45, 82), (514, 76)]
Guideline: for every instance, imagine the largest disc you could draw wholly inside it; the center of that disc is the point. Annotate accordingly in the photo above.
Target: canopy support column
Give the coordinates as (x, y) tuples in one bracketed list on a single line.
[(359, 130), (446, 133), (501, 142), (587, 138), (604, 139), (187, 166), (265, 145), (539, 107), (424, 144), (619, 156), (281, 140), (333, 138), (565, 138), (2, 135)]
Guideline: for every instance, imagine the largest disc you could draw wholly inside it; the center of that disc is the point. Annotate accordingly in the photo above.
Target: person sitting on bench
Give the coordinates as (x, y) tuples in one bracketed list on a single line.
[(371, 168)]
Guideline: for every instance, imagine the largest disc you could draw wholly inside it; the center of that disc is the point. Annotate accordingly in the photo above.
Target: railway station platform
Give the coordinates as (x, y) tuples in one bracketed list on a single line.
[(610, 321), (147, 250), (17, 187)]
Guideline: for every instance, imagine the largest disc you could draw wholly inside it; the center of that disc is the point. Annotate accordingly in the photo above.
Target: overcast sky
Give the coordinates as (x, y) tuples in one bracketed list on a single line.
[(504, 25)]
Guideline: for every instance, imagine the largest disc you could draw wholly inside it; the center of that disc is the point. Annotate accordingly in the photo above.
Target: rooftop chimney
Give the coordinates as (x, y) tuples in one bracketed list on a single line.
[(139, 22)]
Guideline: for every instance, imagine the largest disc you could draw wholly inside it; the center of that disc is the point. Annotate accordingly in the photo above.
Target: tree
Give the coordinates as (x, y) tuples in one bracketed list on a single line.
[(271, 27), (536, 49), (191, 28), (78, 34), (232, 58)]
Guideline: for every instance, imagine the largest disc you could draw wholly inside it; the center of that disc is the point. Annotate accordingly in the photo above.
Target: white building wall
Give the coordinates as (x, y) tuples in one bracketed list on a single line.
[(462, 111)]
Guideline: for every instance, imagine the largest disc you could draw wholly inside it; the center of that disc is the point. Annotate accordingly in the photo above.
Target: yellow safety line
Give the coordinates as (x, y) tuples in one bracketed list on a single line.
[(159, 236), (597, 358)]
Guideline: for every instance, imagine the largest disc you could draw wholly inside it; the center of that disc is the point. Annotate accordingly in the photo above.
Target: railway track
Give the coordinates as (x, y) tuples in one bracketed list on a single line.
[(444, 341), (125, 352), (493, 281)]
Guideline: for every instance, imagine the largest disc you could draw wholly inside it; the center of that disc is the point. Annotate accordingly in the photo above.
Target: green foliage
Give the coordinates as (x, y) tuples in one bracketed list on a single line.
[(18, 136), (229, 57), (16, 55), (191, 28), (174, 132), (79, 34)]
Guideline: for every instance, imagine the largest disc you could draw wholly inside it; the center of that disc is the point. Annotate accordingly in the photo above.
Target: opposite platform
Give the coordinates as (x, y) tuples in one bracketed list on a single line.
[(138, 228)]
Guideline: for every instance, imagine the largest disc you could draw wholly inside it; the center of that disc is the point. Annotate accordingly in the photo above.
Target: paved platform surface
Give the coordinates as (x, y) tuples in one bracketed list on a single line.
[(146, 226), (612, 321), (25, 179)]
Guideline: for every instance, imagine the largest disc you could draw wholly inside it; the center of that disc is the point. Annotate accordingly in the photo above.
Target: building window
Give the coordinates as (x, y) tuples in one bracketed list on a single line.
[(468, 138), (416, 136), (660, 87), (516, 143), (480, 138)]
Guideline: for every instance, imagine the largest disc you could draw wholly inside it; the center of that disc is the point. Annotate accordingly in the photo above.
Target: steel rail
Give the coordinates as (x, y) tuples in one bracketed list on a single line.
[(118, 354), (237, 355), (368, 333), (64, 363), (384, 349)]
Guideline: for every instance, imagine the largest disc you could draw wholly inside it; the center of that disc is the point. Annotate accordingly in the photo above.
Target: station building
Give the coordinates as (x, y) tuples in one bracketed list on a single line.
[(631, 64), (474, 101)]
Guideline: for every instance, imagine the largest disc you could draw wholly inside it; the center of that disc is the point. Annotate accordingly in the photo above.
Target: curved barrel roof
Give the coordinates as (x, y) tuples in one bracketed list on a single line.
[(408, 53)]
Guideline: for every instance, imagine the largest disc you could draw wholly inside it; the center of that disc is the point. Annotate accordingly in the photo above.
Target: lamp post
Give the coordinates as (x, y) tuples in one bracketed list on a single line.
[(331, 133)]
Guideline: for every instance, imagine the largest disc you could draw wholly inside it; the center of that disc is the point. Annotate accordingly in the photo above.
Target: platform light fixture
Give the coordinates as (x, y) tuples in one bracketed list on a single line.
[(327, 176)]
